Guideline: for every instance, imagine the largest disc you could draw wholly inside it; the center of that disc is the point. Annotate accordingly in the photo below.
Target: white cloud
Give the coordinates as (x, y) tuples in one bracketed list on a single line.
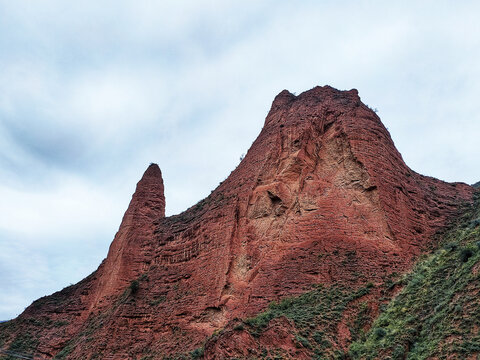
[(69, 207), (91, 92)]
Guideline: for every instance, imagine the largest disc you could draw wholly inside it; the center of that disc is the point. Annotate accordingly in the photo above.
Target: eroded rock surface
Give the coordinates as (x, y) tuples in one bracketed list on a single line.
[(322, 196)]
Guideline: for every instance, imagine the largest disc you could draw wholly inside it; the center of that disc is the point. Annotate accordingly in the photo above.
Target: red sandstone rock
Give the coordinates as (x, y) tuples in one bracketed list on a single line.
[(126, 258), (234, 343), (322, 178)]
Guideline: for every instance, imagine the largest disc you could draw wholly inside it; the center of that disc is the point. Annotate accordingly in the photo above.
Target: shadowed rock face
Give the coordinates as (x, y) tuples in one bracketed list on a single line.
[(322, 196)]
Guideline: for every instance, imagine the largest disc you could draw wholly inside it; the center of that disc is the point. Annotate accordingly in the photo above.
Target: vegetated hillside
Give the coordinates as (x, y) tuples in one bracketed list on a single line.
[(432, 312), (297, 241), (437, 313)]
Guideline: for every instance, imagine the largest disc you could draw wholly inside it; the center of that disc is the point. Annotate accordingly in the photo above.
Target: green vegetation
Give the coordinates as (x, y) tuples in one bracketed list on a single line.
[(316, 315), (197, 353), (437, 314), (26, 341), (157, 300), (64, 353), (134, 286)]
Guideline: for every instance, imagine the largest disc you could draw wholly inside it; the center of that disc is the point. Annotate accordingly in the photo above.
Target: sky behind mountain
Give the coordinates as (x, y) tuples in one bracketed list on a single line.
[(91, 92)]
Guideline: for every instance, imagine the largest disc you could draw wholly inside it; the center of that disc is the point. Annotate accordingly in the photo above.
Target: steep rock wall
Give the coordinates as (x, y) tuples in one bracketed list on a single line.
[(322, 196)]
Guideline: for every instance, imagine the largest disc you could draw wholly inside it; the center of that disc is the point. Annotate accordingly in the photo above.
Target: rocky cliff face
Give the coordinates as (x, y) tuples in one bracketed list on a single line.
[(126, 256), (322, 197)]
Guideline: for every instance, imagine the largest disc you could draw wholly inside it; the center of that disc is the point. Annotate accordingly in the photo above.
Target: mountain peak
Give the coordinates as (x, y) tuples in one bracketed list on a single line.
[(153, 170), (318, 101), (149, 187), (124, 256), (284, 97), (322, 197)]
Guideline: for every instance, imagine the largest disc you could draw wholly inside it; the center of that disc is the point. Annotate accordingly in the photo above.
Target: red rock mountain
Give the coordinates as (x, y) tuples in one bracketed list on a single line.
[(322, 197)]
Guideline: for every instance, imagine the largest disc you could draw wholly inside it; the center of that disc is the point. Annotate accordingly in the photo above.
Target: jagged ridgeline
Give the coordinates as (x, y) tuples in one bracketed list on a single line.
[(293, 256)]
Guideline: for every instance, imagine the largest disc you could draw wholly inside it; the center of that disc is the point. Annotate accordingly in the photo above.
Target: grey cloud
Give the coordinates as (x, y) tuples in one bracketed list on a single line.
[(29, 272), (49, 145), (92, 92)]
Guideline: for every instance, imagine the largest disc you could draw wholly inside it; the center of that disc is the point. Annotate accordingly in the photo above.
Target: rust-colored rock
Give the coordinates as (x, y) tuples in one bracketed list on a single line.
[(278, 337), (322, 196), (126, 258)]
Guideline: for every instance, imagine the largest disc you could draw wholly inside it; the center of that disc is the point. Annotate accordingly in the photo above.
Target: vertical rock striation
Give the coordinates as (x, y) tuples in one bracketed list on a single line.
[(321, 197), (130, 247)]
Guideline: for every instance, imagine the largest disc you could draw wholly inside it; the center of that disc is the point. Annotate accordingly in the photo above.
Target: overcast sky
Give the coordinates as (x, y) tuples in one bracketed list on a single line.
[(91, 92)]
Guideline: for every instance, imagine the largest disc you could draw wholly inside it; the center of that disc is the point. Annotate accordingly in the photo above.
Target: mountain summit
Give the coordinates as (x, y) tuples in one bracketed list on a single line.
[(322, 198)]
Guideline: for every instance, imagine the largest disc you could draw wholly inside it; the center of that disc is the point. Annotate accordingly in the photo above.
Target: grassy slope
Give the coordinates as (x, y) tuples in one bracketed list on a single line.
[(316, 315), (437, 313)]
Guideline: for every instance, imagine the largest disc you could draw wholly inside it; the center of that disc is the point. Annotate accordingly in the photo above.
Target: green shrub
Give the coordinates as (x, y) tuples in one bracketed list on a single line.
[(158, 300), (451, 246), (465, 254), (63, 354), (197, 353), (303, 341), (398, 353), (134, 286), (475, 223), (238, 327), (380, 333)]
